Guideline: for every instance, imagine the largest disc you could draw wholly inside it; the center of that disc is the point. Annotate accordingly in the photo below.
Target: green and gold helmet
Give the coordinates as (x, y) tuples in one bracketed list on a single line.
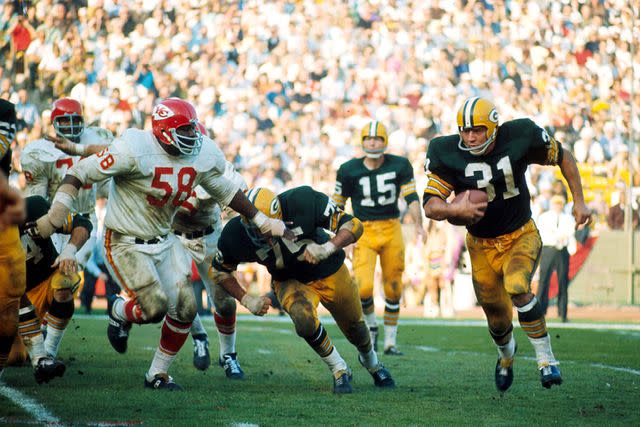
[(476, 111), (374, 129)]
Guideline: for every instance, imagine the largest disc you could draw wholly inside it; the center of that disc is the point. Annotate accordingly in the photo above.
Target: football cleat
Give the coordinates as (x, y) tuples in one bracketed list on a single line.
[(118, 330), (504, 372), (342, 382), (393, 351), (201, 356), (550, 375), (162, 382), (381, 375), (48, 368), (231, 366), (373, 331)]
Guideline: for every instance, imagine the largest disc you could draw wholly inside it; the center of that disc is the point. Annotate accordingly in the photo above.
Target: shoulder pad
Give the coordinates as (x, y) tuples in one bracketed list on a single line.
[(210, 158), (96, 135), (41, 150)]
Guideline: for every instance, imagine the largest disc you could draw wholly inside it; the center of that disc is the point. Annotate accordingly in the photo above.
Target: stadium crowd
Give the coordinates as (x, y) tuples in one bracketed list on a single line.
[(285, 85)]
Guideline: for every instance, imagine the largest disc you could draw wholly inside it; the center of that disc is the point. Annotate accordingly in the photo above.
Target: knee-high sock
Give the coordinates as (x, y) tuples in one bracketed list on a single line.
[(532, 321), (57, 319), (29, 330), (226, 332), (174, 334), (391, 314), (128, 310), (321, 344), (505, 342)]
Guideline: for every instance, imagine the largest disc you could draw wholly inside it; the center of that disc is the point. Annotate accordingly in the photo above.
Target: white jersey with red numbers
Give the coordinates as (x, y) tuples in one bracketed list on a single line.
[(201, 210), (150, 185), (44, 166)]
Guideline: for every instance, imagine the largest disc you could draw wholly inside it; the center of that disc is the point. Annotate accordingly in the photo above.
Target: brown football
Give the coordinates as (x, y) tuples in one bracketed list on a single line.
[(475, 196)]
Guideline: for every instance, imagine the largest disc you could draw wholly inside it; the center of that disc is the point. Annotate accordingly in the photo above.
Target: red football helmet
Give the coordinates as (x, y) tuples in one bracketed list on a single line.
[(175, 123), (67, 118)]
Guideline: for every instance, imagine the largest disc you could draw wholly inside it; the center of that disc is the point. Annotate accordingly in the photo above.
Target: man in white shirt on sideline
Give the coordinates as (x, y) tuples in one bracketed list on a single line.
[(557, 230)]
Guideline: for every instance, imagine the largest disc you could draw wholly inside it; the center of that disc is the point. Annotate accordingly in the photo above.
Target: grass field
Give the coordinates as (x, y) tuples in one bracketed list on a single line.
[(445, 378)]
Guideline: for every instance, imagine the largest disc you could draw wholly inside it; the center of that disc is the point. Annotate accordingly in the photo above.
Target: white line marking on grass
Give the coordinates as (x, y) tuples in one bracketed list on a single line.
[(475, 353), (29, 405), (264, 351), (245, 425)]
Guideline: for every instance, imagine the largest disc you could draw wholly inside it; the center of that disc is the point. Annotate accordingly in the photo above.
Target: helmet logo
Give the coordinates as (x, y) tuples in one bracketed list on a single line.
[(493, 116), (161, 112), (274, 208)]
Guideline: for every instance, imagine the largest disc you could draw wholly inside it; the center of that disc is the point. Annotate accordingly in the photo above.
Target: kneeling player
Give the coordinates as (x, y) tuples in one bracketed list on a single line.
[(305, 272), (52, 282)]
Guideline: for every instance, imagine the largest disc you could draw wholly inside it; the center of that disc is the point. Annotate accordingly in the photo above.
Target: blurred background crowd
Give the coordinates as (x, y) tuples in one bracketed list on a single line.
[(284, 85)]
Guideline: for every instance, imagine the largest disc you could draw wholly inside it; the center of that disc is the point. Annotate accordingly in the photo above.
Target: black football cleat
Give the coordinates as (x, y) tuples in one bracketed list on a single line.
[(342, 383), (231, 366), (393, 351), (382, 377), (201, 356), (117, 330), (48, 368), (504, 372), (550, 375), (162, 382)]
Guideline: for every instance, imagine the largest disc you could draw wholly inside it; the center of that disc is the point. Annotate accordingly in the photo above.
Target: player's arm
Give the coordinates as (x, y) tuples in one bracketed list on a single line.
[(110, 162), (221, 273), (439, 188), (80, 231), (347, 228), (545, 150), (73, 149), (228, 193)]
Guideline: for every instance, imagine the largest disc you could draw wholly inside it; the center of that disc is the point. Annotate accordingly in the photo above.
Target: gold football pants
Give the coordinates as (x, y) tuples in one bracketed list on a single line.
[(13, 280), (383, 238), (502, 267), (337, 293)]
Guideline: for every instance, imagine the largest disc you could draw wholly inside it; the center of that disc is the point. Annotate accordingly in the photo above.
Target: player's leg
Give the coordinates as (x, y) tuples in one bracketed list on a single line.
[(174, 271), (60, 309), (496, 304), (518, 270), (13, 279), (339, 294), (201, 355), (364, 266), (392, 264), (45, 367), (133, 267), (300, 301)]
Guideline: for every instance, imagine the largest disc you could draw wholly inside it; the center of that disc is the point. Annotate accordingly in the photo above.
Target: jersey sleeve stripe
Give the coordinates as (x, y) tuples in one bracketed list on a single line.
[(408, 188), (4, 145), (436, 181), (339, 200)]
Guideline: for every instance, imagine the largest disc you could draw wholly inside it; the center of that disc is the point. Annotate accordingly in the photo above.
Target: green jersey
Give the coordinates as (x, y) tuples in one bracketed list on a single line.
[(501, 173), (374, 193), (309, 213), (41, 253)]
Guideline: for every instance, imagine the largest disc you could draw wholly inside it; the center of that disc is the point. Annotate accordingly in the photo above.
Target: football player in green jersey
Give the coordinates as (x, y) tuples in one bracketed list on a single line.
[(374, 183), (503, 241), (305, 272)]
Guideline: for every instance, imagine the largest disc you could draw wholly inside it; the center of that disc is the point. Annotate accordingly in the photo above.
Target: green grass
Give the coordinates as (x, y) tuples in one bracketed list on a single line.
[(445, 378)]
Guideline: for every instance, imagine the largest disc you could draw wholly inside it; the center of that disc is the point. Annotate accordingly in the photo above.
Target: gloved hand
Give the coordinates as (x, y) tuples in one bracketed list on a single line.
[(314, 253), (256, 304)]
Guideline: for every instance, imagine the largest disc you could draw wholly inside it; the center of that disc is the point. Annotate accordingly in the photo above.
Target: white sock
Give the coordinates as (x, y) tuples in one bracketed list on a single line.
[(544, 354), (369, 360), (118, 309), (507, 350), (370, 319), (197, 328), (160, 364), (227, 343), (53, 340), (35, 348), (335, 362), (390, 333)]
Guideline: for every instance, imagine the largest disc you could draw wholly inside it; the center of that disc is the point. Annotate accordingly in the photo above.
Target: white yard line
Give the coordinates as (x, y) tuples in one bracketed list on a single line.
[(29, 405)]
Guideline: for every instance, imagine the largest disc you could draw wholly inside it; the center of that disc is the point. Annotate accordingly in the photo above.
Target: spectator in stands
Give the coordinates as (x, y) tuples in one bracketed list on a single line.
[(616, 216)]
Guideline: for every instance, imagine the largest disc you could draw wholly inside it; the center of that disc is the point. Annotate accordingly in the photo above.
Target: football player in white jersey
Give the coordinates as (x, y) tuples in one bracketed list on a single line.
[(45, 166), (155, 172)]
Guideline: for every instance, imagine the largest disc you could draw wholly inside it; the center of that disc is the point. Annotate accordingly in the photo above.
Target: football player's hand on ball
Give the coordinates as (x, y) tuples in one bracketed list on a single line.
[(469, 206), (256, 304), (314, 253)]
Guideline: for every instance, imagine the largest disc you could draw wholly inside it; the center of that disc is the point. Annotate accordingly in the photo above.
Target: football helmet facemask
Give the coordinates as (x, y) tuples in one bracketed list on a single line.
[(175, 123), (374, 129), (67, 119), (476, 111)]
